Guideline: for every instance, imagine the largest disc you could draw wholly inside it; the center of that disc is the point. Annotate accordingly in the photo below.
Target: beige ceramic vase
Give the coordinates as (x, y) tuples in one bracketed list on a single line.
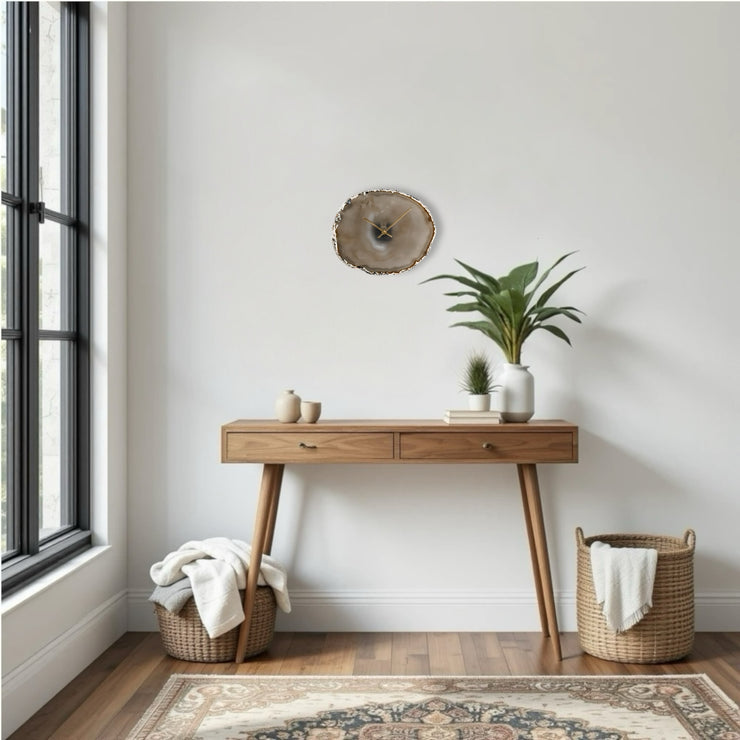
[(288, 407)]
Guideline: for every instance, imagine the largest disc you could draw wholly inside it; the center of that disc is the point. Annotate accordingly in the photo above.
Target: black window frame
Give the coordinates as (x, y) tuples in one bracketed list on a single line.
[(32, 556)]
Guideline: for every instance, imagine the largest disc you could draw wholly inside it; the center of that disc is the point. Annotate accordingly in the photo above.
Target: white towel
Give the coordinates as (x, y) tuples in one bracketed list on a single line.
[(623, 581), (217, 568)]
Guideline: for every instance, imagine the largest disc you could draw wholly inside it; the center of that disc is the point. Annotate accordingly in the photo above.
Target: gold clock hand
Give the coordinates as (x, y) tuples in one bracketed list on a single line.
[(398, 219), (382, 231)]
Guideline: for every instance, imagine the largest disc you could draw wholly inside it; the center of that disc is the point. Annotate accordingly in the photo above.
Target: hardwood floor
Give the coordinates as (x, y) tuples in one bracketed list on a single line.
[(107, 698)]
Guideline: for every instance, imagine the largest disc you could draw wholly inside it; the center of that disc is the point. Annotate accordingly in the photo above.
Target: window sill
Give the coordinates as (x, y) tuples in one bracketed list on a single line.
[(47, 580)]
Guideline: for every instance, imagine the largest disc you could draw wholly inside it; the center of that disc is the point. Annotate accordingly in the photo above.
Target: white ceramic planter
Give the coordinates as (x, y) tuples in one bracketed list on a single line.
[(480, 402), (516, 394)]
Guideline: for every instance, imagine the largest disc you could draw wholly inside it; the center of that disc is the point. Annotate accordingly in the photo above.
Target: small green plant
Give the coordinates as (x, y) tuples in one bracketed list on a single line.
[(477, 377), (509, 307)]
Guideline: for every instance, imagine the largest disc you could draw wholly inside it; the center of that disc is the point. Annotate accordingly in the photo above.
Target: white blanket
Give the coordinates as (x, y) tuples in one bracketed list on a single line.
[(623, 581), (217, 568)]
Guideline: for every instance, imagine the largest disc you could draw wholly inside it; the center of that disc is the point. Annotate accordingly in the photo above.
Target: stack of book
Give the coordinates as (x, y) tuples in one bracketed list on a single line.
[(465, 416)]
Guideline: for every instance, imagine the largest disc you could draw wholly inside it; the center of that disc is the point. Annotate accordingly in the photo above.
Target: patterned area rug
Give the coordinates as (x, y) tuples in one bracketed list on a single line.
[(439, 708)]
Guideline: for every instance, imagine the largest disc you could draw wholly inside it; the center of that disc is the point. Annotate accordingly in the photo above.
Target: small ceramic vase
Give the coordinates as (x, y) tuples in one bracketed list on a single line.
[(288, 407)]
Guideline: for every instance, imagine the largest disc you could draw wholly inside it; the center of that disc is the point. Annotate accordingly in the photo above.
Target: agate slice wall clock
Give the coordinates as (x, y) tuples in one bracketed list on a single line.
[(383, 231)]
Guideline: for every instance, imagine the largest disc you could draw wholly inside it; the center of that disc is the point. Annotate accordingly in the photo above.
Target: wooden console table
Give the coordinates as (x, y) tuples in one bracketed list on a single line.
[(274, 445)]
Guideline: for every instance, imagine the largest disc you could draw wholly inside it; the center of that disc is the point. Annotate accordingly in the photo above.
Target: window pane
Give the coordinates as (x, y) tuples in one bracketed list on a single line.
[(54, 438), (4, 266), (8, 267), (3, 96), (54, 276), (51, 147), (8, 542)]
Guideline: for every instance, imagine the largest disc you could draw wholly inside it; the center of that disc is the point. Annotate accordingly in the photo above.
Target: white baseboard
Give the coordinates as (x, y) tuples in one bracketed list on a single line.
[(438, 611), (387, 611), (30, 685), (717, 612), (419, 611), (141, 616)]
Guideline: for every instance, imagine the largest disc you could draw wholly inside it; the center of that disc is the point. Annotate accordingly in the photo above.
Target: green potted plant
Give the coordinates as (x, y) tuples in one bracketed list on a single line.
[(477, 381), (511, 308)]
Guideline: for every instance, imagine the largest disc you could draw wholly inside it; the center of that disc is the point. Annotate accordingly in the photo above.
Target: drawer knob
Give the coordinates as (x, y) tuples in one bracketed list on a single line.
[(487, 446), (304, 446)]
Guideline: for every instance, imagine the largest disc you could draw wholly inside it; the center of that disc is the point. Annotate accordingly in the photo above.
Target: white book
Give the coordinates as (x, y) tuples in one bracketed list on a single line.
[(469, 414), (489, 419)]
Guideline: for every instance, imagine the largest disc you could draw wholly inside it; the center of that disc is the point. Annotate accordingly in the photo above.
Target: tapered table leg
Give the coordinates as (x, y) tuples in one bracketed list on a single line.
[(272, 514), (264, 525), (533, 554), (533, 511)]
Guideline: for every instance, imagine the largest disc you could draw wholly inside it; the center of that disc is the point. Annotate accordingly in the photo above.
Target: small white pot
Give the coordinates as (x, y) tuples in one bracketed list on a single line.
[(480, 402)]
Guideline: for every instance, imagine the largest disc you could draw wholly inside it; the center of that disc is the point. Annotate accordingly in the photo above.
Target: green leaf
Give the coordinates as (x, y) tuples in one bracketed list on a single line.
[(465, 307), (547, 312), (458, 293), (492, 308), (542, 300), (547, 272), (520, 277), (519, 306), (459, 278), (489, 280), (503, 299), (486, 328), (557, 331), (568, 312)]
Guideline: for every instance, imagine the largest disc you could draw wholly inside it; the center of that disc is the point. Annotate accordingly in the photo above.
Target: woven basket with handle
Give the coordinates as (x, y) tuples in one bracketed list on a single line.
[(666, 633), (184, 636)]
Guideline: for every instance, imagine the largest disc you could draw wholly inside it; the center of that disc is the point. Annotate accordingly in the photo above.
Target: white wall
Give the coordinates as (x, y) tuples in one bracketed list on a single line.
[(54, 628), (528, 130)]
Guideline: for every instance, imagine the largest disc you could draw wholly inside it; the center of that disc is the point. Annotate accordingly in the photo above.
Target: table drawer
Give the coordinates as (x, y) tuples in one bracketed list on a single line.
[(306, 447), (519, 447)]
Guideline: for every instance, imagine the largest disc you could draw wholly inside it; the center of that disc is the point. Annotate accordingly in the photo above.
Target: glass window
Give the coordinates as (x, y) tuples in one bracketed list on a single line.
[(8, 538), (55, 296), (56, 510), (45, 316), (3, 98)]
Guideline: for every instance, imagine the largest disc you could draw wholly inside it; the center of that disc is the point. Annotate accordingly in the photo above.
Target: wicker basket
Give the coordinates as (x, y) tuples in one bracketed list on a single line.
[(666, 633), (184, 636)]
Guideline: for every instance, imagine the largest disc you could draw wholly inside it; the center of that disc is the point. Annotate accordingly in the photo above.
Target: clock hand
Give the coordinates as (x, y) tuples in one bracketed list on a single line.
[(398, 219), (382, 231), (386, 230)]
